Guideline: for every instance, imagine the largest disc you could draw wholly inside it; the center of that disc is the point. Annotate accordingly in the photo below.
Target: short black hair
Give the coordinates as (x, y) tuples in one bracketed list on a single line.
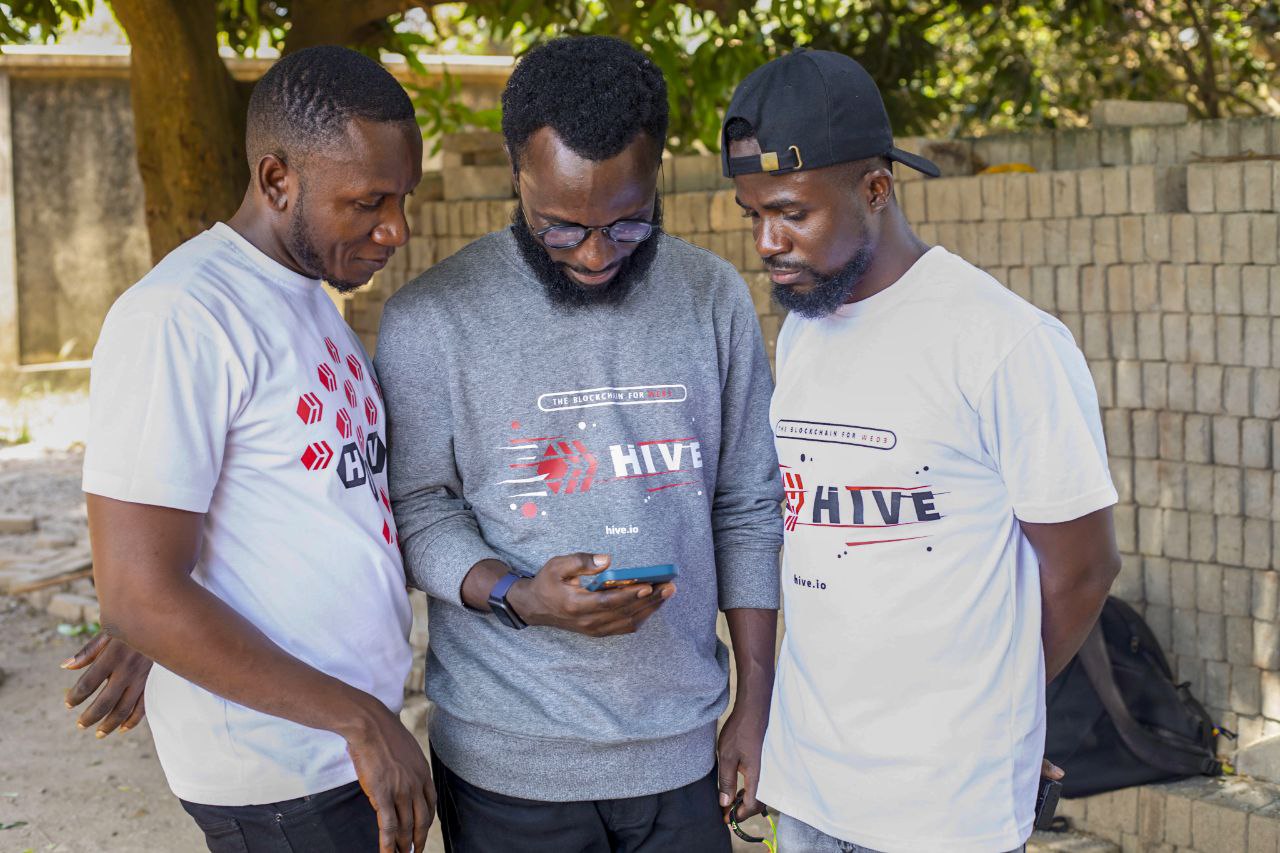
[(307, 99), (739, 128), (597, 93)]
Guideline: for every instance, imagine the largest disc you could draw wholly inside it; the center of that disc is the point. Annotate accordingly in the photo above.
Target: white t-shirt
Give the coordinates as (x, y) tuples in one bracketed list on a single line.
[(225, 384), (914, 430)]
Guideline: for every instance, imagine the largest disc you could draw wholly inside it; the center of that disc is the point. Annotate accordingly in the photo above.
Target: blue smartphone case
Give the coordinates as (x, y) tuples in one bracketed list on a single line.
[(619, 577)]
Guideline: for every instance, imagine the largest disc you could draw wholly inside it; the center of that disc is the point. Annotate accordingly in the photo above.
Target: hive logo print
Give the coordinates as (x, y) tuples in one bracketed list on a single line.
[(793, 485), (335, 438), (566, 467), (862, 514), (563, 465)]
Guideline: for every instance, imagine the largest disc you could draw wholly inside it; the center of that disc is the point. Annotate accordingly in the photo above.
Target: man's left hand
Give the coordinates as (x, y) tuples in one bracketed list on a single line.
[(1049, 770), (123, 671), (738, 752)]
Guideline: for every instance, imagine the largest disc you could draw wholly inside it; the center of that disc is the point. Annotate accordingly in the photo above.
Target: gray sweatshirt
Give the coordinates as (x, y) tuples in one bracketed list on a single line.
[(520, 431)]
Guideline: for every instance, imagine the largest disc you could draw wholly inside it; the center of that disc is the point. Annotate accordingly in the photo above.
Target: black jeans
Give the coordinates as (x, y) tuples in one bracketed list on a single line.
[(340, 820), (474, 820)]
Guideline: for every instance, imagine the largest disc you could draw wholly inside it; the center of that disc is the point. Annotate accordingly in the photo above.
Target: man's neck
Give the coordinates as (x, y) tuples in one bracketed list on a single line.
[(252, 226), (898, 251)]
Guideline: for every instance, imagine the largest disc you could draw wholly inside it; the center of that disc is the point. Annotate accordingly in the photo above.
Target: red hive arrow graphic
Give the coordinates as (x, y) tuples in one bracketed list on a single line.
[(568, 466), (794, 488), (310, 408), (317, 456), (327, 379)]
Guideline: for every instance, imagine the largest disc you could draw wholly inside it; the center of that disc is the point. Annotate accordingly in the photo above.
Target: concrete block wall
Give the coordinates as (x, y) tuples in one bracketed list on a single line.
[(1192, 816), (1158, 247)]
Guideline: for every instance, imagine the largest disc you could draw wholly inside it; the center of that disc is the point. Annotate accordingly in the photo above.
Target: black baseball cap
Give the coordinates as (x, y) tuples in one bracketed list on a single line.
[(811, 109)]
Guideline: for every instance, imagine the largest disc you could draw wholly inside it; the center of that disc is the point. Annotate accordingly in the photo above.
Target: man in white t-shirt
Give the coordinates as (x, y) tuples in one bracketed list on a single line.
[(235, 470), (949, 540)]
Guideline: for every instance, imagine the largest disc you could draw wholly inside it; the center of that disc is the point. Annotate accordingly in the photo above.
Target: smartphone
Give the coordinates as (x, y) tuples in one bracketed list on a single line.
[(610, 578), (1047, 802)]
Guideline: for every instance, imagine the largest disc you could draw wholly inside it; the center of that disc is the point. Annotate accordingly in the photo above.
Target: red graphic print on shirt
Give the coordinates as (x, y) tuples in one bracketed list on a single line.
[(358, 461)]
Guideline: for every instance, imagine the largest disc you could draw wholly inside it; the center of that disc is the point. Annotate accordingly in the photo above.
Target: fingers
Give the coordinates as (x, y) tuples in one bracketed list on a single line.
[(1049, 770), (88, 653), (619, 598), (388, 825), (404, 822), (90, 680), (571, 565), (429, 792), (139, 711), (750, 805), (726, 778), (611, 599), (422, 814), (117, 715), (626, 621), (106, 700)]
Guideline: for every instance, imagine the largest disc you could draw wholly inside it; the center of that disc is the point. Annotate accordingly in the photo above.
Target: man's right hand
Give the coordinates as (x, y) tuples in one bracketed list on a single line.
[(396, 778), (554, 597)]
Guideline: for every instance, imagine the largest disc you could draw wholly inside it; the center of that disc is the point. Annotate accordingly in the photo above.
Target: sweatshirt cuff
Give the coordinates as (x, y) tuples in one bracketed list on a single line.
[(439, 566), (748, 577)]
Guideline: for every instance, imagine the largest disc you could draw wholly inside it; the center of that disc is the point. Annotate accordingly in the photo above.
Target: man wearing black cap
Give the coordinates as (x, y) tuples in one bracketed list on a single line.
[(949, 539)]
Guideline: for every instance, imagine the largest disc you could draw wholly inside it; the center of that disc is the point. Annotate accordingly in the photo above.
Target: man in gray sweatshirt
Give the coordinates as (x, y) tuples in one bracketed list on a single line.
[(576, 392)]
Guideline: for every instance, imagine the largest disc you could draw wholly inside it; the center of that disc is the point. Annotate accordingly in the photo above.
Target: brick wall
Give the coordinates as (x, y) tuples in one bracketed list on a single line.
[(1157, 247)]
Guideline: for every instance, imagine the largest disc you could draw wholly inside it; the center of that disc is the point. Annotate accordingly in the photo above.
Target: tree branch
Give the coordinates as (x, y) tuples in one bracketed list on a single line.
[(314, 22), (1205, 43)]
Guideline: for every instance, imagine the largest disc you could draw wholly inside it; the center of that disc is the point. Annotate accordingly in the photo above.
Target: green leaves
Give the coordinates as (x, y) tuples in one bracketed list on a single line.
[(944, 68), (40, 21), (441, 109)]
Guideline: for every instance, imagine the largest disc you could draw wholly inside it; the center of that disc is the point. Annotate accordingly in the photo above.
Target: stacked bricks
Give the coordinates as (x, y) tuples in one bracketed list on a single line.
[(1158, 248), (1192, 816)]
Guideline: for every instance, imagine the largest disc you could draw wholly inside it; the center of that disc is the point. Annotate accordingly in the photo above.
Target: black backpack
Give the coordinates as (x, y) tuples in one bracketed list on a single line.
[(1116, 718)]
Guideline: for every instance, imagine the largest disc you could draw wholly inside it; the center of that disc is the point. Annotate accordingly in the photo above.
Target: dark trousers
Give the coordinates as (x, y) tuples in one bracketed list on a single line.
[(341, 820), (474, 820)]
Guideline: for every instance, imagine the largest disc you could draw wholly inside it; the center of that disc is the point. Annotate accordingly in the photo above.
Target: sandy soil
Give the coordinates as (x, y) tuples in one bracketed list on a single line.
[(73, 792)]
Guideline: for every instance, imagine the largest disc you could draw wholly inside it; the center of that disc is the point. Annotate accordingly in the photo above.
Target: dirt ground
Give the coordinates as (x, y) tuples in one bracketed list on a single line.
[(70, 791)]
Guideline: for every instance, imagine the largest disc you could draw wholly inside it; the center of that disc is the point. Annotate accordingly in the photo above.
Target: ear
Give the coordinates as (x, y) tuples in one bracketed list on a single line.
[(273, 179), (878, 184)]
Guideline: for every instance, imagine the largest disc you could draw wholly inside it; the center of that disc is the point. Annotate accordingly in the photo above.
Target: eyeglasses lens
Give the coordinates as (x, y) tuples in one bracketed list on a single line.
[(564, 236)]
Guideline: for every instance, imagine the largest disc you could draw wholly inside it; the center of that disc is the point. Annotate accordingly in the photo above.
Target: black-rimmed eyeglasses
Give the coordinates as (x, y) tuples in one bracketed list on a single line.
[(567, 235)]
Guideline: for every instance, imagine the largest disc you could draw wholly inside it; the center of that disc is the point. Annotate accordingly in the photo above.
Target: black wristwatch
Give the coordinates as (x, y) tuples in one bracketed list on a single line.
[(500, 606)]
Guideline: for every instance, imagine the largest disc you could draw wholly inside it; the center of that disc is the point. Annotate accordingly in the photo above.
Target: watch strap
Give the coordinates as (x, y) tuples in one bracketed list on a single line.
[(498, 601)]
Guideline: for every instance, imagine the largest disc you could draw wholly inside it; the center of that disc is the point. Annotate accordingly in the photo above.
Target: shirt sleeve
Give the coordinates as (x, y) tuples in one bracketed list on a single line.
[(1041, 425), (439, 534), (746, 514), (162, 395)]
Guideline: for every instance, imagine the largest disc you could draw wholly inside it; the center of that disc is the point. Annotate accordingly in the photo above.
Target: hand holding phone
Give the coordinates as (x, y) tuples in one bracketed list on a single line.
[(556, 598)]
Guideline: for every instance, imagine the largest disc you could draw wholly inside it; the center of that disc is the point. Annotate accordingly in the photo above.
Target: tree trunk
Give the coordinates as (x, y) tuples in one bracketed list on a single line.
[(188, 118), (189, 113)]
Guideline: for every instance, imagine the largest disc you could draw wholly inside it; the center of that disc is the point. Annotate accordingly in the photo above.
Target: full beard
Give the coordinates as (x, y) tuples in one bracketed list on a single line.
[(828, 292), (570, 295)]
